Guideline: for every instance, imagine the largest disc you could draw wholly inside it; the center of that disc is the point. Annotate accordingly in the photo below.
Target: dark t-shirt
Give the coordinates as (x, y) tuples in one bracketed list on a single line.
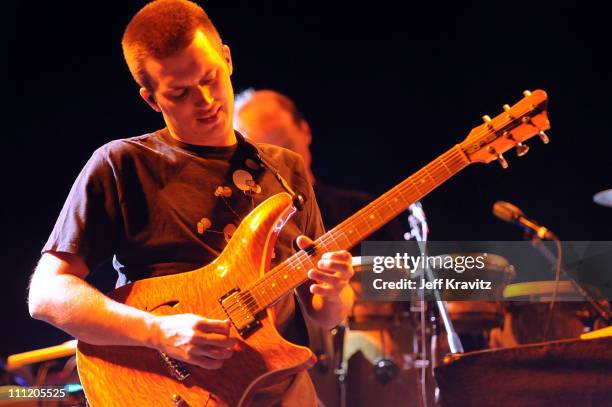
[(149, 202)]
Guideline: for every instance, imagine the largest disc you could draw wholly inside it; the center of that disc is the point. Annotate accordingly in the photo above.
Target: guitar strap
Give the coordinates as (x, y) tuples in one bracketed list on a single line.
[(260, 157)]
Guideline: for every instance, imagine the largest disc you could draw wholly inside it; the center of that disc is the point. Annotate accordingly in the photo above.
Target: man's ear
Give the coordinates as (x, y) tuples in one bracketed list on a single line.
[(149, 98), (306, 129), (227, 56)]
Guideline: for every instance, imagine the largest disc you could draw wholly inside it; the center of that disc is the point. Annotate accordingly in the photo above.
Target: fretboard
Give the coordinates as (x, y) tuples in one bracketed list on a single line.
[(293, 271)]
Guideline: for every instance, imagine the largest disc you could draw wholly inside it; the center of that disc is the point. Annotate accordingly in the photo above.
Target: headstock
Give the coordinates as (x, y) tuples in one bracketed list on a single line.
[(511, 128)]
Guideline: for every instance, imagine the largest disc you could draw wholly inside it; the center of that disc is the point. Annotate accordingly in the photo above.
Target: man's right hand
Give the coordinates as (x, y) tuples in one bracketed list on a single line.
[(194, 339)]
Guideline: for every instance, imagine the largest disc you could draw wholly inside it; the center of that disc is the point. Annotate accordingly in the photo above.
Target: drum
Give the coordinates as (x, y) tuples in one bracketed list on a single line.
[(379, 352), (373, 315), (381, 368), (528, 313)]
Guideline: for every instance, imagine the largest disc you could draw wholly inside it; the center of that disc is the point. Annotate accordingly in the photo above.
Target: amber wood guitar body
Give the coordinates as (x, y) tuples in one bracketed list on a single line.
[(137, 376)]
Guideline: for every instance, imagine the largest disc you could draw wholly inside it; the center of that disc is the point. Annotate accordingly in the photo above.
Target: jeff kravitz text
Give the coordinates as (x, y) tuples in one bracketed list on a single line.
[(437, 284)]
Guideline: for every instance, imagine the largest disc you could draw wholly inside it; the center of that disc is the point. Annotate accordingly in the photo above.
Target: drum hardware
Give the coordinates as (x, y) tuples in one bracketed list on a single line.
[(323, 362), (385, 370)]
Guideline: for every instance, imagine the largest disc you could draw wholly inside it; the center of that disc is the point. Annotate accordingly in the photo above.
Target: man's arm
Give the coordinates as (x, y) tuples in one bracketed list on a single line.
[(330, 299), (60, 296)]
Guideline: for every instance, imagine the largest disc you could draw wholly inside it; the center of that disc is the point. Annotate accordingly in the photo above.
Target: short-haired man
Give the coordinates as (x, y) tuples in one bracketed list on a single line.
[(152, 203)]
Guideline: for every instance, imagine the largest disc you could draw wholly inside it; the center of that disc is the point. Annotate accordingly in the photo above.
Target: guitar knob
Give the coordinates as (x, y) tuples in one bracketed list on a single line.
[(521, 149), (502, 161), (178, 401), (544, 137)]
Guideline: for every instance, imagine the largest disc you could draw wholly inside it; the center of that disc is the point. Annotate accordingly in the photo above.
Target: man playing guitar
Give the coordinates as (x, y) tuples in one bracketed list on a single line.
[(168, 201)]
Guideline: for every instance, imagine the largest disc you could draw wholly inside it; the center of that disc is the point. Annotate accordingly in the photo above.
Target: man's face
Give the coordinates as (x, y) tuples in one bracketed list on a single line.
[(193, 91)]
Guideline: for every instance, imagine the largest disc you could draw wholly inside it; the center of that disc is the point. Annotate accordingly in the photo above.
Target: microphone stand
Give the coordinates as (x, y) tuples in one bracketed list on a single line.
[(420, 230), (454, 342), (603, 310)]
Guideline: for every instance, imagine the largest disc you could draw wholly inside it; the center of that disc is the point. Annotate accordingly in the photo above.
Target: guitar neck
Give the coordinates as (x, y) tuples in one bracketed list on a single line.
[(293, 271)]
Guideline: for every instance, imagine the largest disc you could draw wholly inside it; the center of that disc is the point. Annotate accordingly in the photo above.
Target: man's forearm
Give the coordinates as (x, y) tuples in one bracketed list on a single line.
[(71, 304)]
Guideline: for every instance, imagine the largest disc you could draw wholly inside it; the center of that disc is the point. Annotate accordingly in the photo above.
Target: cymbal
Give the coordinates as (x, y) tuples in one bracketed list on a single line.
[(603, 198)]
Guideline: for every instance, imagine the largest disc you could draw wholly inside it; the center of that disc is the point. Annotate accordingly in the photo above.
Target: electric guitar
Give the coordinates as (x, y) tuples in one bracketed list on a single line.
[(238, 286)]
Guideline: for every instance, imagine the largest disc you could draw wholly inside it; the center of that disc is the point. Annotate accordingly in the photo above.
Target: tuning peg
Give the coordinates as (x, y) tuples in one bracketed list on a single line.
[(506, 107), (486, 118), (526, 93), (543, 137), (521, 149), (502, 161)]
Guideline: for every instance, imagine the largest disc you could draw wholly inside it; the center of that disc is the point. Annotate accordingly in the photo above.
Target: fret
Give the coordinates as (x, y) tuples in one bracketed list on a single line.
[(343, 235), (400, 194), (296, 267), (261, 292), (431, 176), (336, 245), (369, 218), (281, 278), (445, 166), (388, 202), (415, 186), (420, 182), (353, 233), (320, 243), (344, 232)]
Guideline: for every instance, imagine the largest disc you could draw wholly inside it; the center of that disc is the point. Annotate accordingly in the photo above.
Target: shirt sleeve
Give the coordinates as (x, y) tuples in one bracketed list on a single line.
[(90, 219)]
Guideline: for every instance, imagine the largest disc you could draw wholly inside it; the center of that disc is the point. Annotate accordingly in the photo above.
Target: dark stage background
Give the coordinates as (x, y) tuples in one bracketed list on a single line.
[(385, 87)]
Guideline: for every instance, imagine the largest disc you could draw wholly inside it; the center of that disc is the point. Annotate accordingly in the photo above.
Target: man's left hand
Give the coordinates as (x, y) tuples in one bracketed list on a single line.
[(332, 274)]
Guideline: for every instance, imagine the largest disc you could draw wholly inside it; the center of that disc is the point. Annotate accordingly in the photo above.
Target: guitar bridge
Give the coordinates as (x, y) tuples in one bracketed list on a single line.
[(177, 369), (241, 309)]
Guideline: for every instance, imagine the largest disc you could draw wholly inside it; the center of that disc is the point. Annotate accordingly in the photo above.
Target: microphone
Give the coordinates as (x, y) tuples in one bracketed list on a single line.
[(511, 214)]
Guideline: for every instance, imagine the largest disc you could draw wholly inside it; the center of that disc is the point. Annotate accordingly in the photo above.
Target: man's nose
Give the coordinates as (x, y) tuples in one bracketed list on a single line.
[(207, 98)]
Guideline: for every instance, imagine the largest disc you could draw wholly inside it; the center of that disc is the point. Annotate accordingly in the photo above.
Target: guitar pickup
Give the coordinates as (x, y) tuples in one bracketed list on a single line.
[(241, 308)]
